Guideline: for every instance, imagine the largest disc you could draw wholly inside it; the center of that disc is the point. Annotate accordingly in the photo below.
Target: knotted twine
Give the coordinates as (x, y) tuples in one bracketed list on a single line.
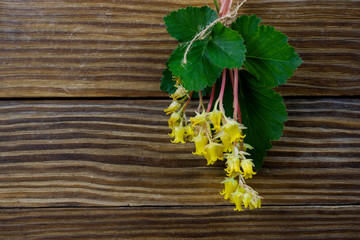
[(226, 20)]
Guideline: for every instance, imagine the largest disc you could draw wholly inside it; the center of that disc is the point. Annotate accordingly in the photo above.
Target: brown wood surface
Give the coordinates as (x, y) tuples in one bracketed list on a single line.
[(118, 153), (220, 222), (105, 169), (63, 48)]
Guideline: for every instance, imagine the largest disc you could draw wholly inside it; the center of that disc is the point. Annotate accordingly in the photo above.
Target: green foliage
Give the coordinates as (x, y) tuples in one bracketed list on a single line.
[(226, 47), (199, 71), (269, 57), (185, 23), (262, 112), (264, 54), (167, 83)]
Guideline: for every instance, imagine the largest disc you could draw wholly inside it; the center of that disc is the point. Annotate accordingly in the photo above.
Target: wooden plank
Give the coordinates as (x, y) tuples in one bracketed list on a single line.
[(117, 153), (337, 222), (62, 48)]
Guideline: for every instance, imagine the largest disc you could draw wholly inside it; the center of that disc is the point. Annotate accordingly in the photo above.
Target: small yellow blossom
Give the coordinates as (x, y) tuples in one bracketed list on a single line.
[(215, 118), (226, 140), (189, 131), (255, 202), (213, 152), (199, 119), (179, 93), (179, 132), (174, 106), (233, 128), (247, 168), (172, 134), (236, 198), (230, 186), (246, 198), (233, 164), (174, 119), (200, 142)]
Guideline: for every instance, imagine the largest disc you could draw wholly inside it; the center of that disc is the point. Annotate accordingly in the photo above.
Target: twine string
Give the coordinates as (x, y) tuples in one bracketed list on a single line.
[(226, 20)]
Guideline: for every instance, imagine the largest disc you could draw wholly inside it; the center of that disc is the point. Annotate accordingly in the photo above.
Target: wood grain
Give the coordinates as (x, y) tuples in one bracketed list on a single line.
[(117, 153), (62, 48), (341, 222)]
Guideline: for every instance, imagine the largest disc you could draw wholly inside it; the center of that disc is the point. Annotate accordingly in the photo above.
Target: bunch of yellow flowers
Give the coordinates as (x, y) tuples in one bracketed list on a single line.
[(216, 137)]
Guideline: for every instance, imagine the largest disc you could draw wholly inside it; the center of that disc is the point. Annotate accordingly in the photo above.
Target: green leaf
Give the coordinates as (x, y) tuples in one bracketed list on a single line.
[(167, 83), (226, 47), (262, 112), (185, 23), (199, 71), (269, 57)]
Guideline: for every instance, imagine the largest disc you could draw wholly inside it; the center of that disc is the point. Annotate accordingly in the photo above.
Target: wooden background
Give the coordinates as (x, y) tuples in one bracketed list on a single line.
[(84, 151)]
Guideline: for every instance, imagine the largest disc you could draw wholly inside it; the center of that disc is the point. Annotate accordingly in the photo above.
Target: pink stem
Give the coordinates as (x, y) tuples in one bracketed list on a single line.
[(222, 90), (237, 112), (225, 7), (211, 98), (231, 77)]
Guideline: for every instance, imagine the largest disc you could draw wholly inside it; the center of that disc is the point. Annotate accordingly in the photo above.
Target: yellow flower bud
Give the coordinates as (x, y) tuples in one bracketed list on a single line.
[(236, 198), (179, 93), (233, 164), (189, 131), (200, 142), (199, 119), (215, 118), (174, 106), (230, 186), (247, 168), (246, 198), (255, 202), (174, 119), (226, 140), (213, 152), (179, 134), (233, 128)]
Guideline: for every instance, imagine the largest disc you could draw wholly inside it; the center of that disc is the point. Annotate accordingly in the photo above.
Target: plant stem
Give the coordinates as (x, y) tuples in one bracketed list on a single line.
[(231, 77), (187, 102), (225, 7), (222, 90), (217, 5), (237, 111), (211, 98), (201, 105), (236, 94)]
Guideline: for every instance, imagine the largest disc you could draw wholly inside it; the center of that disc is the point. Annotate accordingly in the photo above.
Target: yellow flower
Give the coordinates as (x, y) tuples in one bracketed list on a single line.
[(189, 131), (199, 119), (215, 118), (233, 164), (255, 202), (230, 186), (200, 142), (172, 134), (179, 93), (246, 198), (213, 152), (179, 134), (247, 168), (236, 198), (233, 128), (174, 106), (174, 119), (226, 140)]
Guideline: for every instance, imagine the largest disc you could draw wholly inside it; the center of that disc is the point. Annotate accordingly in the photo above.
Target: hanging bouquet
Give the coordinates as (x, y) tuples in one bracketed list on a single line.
[(238, 62)]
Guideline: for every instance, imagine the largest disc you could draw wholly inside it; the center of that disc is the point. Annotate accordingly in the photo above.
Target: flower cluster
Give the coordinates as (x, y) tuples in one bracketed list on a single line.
[(216, 137)]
